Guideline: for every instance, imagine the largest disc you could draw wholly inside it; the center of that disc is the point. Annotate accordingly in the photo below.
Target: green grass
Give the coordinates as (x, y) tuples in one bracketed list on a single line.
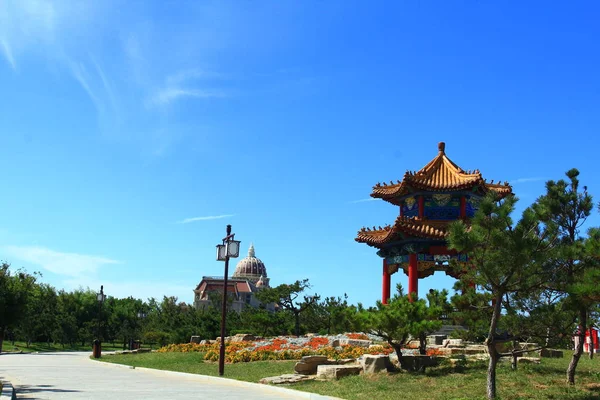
[(7, 346), (544, 381), (195, 364)]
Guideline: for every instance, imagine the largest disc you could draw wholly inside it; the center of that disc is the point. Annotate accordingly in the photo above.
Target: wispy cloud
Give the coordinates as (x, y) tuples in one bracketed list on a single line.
[(526, 180), (80, 74), (138, 289), (69, 264), (191, 74), (363, 200), (207, 218), (168, 95), (184, 84), (6, 50)]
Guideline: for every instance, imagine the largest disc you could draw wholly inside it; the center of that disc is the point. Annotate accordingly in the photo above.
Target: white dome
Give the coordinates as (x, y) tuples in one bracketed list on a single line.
[(250, 267)]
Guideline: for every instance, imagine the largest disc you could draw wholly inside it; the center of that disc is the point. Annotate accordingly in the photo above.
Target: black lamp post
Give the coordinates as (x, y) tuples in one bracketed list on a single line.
[(100, 297), (229, 249), (141, 314)]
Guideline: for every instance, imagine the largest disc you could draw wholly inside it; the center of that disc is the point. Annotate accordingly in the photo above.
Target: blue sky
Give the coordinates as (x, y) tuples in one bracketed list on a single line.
[(120, 120)]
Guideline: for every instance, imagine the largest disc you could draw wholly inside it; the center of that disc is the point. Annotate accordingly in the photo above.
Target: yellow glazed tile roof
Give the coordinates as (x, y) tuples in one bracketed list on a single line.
[(440, 174), (404, 226)]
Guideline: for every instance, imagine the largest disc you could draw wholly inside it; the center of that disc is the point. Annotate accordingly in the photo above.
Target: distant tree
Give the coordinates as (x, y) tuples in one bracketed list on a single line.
[(262, 322), (399, 320), (15, 291), (39, 319), (287, 297)]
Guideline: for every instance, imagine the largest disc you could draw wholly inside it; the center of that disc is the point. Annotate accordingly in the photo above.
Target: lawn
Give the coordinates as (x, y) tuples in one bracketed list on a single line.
[(543, 381), (8, 346), (195, 364)]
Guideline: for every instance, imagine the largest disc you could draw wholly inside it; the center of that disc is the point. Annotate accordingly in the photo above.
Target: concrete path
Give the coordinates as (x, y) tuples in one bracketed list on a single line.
[(75, 376)]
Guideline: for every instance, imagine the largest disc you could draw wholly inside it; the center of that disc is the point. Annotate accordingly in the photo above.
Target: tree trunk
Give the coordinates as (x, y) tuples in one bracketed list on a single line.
[(422, 344), (491, 345), (1, 338), (401, 360), (514, 356), (578, 351), (491, 373), (297, 327)]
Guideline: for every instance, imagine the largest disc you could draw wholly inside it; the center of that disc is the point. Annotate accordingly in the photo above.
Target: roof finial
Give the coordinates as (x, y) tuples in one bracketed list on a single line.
[(442, 147), (251, 250)]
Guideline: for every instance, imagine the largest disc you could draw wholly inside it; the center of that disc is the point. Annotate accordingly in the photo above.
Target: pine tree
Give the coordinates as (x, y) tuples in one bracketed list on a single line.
[(565, 206), (504, 258), (399, 320)]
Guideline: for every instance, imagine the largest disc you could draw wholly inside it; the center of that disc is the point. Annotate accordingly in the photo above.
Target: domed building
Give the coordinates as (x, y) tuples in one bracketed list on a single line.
[(249, 277), (251, 268)]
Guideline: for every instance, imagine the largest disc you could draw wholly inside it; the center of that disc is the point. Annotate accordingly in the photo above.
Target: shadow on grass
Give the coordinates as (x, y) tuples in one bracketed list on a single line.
[(446, 369)]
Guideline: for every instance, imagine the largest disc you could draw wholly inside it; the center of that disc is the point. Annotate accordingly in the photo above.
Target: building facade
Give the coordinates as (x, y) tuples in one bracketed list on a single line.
[(249, 277)]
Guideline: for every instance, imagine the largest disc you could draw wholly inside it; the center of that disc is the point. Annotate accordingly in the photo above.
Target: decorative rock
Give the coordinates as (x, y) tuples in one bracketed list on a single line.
[(418, 362), (550, 353), (528, 360), (337, 371), (242, 337), (475, 349), (144, 350), (436, 340), (195, 339), (453, 343), (285, 379), (373, 364), (351, 342), (308, 364)]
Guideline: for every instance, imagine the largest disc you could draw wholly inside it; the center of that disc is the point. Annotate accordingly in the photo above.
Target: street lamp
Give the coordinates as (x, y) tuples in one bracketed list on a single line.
[(229, 249), (100, 297), (141, 314)]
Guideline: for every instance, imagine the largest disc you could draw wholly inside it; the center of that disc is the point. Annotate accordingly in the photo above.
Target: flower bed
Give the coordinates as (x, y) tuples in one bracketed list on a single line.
[(276, 349)]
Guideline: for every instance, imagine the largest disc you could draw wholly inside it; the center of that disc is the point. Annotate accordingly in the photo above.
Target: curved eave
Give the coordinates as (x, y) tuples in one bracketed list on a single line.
[(375, 237), (501, 190), (403, 227), (421, 228)]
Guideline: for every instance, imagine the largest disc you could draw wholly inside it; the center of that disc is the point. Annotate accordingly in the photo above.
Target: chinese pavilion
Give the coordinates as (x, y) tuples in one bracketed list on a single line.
[(429, 200)]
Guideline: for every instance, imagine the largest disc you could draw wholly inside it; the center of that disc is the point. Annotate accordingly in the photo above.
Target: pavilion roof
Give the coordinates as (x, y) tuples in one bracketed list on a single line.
[(440, 175), (404, 226)]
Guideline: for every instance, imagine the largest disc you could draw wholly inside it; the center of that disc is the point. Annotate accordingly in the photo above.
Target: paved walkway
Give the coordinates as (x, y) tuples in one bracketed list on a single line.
[(74, 376)]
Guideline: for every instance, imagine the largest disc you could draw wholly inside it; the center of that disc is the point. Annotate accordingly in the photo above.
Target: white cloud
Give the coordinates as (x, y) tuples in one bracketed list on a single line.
[(208, 218), (526, 180), (69, 264), (363, 200)]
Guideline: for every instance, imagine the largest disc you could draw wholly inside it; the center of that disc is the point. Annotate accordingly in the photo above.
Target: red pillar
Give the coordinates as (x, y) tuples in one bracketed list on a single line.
[(421, 206), (413, 276), (463, 206), (385, 292)]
